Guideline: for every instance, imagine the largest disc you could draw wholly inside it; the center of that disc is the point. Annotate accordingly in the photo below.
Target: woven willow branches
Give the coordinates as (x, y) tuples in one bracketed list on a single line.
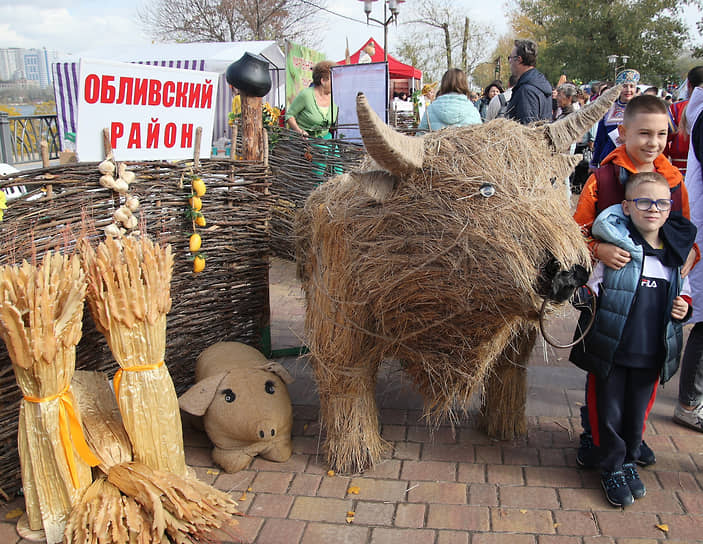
[(41, 311), (129, 296)]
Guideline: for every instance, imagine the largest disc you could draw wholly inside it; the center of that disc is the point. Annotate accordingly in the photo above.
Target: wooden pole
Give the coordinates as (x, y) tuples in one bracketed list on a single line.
[(196, 147), (252, 126), (44, 147), (107, 146), (252, 150)]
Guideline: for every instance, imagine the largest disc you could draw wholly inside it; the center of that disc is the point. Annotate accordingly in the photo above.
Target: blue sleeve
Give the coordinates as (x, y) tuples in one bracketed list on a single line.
[(599, 144), (423, 122)]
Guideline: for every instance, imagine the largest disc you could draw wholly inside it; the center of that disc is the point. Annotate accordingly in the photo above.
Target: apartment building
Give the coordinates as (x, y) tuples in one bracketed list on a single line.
[(30, 65)]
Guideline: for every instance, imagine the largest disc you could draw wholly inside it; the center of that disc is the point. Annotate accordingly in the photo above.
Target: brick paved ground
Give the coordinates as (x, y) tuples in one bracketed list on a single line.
[(453, 487)]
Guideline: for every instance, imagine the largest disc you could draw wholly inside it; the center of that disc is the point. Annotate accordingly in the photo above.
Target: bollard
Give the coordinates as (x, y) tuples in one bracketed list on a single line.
[(5, 139)]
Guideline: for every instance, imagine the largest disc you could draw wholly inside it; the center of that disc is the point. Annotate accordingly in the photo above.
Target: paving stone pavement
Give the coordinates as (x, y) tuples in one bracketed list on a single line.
[(451, 486)]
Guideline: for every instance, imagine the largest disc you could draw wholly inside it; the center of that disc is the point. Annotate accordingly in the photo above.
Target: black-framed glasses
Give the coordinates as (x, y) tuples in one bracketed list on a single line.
[(644, 204), (512, 57)]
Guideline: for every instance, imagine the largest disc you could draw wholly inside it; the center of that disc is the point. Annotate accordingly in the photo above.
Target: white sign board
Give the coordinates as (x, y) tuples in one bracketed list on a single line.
[(350, 79), (152, 112)]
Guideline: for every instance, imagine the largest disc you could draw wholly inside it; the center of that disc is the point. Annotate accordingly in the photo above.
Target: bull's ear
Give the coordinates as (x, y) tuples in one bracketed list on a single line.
[(378, 184), (198, 398), (279, 370)]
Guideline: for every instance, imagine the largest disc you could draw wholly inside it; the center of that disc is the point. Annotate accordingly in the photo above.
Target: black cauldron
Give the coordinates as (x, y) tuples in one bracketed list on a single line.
[(250, 74)]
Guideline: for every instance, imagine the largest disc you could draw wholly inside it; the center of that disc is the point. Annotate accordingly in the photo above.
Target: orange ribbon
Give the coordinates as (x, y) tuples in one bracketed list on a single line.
[(140, 368), (71, 432)]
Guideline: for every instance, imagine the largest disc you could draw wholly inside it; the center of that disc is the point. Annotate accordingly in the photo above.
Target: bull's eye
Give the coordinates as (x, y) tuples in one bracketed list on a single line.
[(487, 190), (229, 395), (270, 387)]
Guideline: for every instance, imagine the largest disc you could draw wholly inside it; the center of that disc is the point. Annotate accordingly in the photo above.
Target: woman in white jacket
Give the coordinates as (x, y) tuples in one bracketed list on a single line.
[(689, 410)]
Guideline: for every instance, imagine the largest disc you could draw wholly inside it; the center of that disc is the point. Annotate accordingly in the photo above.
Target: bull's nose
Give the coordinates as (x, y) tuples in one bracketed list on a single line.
[(261, 433)]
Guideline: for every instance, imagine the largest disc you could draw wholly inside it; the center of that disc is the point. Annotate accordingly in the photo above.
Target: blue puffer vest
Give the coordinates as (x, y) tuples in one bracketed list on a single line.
[(617, 292)]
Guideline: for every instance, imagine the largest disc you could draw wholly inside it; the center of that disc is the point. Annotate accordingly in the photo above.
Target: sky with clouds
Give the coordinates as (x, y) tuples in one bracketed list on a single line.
[(76, 26)]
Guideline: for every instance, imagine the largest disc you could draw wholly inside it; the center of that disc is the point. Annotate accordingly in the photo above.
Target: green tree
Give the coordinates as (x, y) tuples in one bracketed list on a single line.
[(577, 36)]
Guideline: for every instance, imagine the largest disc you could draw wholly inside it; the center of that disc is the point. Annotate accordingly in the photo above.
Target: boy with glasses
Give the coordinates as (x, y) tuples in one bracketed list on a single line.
[(644, 133), (635, 341)]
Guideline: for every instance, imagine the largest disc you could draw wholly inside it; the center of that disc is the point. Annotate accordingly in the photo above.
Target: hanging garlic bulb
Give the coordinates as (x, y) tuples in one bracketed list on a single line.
[(106, 167)]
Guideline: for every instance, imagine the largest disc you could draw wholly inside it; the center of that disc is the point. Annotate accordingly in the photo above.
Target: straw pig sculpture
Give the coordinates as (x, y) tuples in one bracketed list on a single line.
[(438, 253)]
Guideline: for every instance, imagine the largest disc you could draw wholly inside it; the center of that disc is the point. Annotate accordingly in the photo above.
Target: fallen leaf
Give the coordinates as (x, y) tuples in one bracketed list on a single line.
[(330, 473), (350, 519), (351, 514), (14, 514), (663, 527), (212, 471), (249, 489), (354, 490), (305, 427), (556, 525), (243, 497), (523, 511)]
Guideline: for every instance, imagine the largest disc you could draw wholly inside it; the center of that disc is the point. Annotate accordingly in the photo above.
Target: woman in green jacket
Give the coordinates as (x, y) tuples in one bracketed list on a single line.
[(312, 112)]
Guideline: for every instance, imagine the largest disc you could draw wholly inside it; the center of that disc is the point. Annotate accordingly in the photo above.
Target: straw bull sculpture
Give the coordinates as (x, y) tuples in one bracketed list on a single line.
[(438, 253)]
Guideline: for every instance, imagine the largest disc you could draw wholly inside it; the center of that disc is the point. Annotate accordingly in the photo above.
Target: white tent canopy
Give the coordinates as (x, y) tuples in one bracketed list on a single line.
[(212, 57)]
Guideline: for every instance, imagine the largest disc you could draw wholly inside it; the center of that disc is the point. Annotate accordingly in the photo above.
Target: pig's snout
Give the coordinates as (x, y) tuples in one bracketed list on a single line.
[(266, 430)]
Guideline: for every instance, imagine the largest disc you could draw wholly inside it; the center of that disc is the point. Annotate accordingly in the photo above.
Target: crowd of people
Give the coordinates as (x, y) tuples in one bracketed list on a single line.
[(641, 213)]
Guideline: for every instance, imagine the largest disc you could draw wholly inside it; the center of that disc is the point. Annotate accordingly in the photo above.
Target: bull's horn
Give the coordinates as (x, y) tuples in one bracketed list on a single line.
[(565, 132), (395, 152)]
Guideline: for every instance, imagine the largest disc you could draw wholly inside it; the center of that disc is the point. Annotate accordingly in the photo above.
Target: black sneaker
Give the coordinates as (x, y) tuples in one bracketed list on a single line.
[(616, 489), (633, 481), (647, 456), (587, 456)]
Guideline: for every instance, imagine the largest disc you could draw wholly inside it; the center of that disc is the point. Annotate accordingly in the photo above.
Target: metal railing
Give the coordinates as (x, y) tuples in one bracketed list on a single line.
[(21, 137)]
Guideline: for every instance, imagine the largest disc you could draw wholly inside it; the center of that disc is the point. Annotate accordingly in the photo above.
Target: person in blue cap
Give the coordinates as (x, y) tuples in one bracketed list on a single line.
[(607, 133)]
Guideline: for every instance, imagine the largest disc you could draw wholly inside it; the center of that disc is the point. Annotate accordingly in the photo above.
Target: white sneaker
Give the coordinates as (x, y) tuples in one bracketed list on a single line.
[(692, 419)]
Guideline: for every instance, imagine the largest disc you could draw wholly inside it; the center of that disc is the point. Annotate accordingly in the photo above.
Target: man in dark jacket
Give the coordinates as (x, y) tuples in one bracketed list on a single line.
[(532, 96)]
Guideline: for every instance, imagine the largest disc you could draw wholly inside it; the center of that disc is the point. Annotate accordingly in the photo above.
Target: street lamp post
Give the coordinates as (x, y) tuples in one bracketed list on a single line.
[(613, 61), (394, 6)]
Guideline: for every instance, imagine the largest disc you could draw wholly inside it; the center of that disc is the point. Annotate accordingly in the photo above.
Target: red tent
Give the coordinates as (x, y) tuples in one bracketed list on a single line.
[(396, 69)]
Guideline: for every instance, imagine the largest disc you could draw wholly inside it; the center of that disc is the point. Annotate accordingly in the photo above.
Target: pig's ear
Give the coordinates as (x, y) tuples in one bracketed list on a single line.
[(279, 370), (198, 398)]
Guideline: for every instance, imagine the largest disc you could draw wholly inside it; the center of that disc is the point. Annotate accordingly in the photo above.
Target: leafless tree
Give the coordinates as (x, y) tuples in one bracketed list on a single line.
[(452, 36), (231, 20)]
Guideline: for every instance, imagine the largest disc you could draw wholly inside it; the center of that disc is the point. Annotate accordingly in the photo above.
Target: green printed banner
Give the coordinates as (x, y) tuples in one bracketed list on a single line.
[(299, 63)]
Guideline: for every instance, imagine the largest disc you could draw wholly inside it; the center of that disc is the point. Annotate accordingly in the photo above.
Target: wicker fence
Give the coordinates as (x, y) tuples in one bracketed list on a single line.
[(227, 301), (298, 165)]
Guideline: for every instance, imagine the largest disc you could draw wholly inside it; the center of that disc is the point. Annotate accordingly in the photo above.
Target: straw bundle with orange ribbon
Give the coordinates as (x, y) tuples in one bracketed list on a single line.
[(41, 311), (136, 504), (139, 505), (129, 296)]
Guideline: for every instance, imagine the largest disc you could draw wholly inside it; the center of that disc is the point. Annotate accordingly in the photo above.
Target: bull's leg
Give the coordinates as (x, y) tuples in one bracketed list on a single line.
[(350, 416), (505, 399)]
